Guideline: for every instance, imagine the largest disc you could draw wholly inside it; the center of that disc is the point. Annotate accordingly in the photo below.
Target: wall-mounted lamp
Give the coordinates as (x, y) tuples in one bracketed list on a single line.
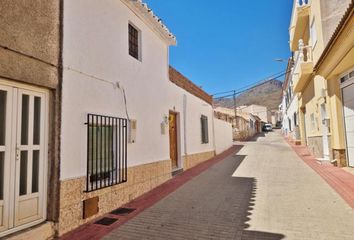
[(164, 124)]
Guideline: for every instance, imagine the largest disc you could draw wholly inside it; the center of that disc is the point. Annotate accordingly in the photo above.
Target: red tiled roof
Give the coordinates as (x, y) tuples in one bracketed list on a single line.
[(183, 82)]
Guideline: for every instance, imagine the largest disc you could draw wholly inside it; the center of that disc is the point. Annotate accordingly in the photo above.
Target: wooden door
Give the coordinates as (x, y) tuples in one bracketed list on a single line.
[(173, 139)]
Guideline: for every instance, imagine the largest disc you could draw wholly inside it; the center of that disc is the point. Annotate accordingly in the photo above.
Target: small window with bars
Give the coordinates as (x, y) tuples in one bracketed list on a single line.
[(205, 133), (347, 77), (134, 42), (106, 151)]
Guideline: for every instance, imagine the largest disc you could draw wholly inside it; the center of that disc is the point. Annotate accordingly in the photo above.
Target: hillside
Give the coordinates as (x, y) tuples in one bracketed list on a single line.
[(267, 94)]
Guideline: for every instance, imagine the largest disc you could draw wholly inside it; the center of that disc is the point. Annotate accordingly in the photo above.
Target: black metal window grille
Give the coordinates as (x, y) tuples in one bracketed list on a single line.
[(204, 124), (133, 42), (106, 151)]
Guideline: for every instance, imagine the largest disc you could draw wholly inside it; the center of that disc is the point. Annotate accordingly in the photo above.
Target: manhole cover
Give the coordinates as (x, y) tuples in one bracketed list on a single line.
[(106, 221), (123, 211)]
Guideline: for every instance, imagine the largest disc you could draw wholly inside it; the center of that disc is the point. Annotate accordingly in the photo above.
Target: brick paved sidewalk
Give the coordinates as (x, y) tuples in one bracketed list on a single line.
[(340, 180)]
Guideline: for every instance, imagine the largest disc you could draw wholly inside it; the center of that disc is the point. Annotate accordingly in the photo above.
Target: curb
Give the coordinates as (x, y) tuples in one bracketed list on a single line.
[(338, 179)]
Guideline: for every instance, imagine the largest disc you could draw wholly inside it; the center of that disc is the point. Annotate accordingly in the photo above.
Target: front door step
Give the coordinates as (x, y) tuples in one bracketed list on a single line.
[(324, 161), (177, 171)]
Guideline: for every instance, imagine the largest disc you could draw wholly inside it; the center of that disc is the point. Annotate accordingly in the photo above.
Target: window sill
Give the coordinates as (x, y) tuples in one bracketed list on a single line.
[(137, 59)]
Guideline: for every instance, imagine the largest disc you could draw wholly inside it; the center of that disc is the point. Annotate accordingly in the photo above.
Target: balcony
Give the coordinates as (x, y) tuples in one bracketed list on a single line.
[(303, 66), (299, 22)]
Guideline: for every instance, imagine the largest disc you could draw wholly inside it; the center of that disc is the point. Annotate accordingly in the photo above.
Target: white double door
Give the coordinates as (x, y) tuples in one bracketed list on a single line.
[(23, 116)]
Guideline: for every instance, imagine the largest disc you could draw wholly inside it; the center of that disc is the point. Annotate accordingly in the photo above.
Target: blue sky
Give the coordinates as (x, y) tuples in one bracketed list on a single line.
[(226, 44)]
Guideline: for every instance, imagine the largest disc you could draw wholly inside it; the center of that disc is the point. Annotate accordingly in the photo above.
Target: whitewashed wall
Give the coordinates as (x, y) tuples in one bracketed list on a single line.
[(285, 126), (261, 111), (289, 114), (95, 58), (223, 135)]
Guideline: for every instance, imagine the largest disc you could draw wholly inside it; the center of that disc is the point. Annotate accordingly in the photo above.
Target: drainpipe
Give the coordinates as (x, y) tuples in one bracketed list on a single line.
[(185, 124), (213, 126)]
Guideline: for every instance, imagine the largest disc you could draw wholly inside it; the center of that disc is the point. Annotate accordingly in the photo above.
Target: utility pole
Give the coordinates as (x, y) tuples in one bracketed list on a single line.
[(235, 108)]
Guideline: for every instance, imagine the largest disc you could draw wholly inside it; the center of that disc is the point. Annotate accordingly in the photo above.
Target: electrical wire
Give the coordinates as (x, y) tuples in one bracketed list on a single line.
[(74, 70), (271, 77), (125, 104), (237, 92), (105, 81)]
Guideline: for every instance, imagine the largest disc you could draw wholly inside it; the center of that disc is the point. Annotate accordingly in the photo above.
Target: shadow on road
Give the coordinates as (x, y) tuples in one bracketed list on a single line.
[(243, 200), (256, 137), (212, 205)]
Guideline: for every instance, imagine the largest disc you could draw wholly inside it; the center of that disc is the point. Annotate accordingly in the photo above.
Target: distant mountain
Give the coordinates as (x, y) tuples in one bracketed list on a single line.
[(267, 94)]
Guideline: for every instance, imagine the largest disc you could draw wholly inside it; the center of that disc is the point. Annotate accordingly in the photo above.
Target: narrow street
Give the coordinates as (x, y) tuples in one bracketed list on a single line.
[(148, 119), (265, 191)]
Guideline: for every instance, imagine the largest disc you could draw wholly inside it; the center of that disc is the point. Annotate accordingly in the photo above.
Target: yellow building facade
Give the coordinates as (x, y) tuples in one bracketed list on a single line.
[(313, 27)]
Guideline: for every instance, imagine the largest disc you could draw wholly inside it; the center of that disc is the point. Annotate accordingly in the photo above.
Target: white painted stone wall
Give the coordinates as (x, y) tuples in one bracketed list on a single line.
[(261, 111), (223, 135), (95, 59), (285, 127), (289, 114)]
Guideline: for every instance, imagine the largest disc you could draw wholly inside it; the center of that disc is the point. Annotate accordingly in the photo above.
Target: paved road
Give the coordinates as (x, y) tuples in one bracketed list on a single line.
[(263, 192)]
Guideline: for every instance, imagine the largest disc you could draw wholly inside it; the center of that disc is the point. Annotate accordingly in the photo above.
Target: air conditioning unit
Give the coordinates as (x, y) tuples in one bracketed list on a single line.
[(132, 126)]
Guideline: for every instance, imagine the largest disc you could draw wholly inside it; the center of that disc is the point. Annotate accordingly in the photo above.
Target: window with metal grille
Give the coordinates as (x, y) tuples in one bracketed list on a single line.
[(106, 151), (204, 124), (134, 42)]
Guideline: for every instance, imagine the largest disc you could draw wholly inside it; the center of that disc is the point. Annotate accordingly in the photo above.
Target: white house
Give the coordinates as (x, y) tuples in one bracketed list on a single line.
[(290, 105), (129, 121), (261, 111)]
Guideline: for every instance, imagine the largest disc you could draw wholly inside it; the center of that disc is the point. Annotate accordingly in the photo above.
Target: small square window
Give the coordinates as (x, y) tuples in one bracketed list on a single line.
[(106, 151), (205, 134), (351, 74), (345, 78), (134, 42)]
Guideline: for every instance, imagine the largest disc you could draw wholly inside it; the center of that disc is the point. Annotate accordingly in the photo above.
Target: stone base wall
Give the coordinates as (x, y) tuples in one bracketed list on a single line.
[(42, 231), (192, 160), (141, 179), (341, 157), (240, 135), (315, 144)]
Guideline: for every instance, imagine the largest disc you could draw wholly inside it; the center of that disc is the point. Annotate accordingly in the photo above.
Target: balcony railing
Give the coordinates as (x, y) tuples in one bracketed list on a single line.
[(299, 21), (302, 3), (305, 52), (303, 65)]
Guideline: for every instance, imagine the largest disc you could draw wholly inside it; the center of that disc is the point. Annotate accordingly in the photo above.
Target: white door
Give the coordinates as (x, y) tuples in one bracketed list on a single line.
[(5, 154), (23, 117), (348, 102), (325, 126)]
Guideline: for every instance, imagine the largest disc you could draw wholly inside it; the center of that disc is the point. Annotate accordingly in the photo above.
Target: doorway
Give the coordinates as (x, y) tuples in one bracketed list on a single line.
[(304, 124), (173, 140), (325, 127), (23, 141), (348, 104)]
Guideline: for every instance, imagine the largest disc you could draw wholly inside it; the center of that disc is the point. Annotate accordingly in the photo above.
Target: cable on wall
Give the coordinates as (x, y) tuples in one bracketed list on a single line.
[(114, 84)]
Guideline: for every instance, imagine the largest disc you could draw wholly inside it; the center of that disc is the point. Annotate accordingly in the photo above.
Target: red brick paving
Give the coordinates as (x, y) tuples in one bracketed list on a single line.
[(93, 231), (340, 180)]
